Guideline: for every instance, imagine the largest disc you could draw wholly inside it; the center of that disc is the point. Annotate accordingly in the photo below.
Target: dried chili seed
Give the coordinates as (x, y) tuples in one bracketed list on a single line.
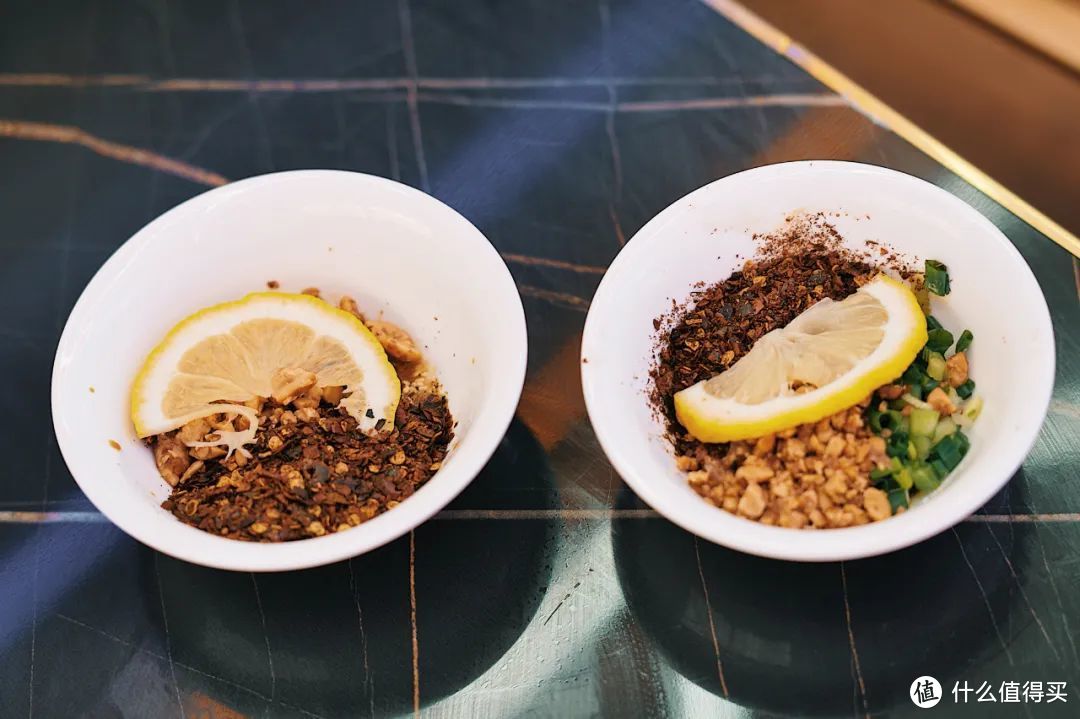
[(286, 491)]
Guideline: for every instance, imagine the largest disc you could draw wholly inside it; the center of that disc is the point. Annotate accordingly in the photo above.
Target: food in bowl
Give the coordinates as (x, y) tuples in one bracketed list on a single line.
[(281, 416), (811, 388)]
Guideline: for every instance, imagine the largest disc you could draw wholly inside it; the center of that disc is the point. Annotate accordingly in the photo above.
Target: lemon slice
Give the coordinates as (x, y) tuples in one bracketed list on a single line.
[(825, 360), (231, 352)]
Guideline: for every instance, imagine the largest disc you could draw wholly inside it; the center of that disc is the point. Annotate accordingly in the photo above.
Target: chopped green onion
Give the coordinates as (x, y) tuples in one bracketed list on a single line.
[(898, 498), (950, 450), (913, 375), (937, 278), (939, 468), (939, 340), (935, 365), (973, 408), (924, 477), (965, 340), (897, 443), (923, 422), (877, 475), (887, 478), (889, 419), (944, 428), (903, 478), (922, 445), (914, 401)]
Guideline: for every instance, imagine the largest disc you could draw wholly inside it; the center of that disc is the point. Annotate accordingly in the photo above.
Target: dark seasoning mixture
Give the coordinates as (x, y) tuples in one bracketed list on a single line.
[(817, 474), (311, 472), (794, 267)]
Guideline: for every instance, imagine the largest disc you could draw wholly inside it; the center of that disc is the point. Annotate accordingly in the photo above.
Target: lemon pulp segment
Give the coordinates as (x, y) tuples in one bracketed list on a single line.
[(825, 360), (229, 352)]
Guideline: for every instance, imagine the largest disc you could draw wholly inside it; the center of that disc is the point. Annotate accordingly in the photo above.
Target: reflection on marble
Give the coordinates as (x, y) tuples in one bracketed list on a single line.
[(546, 588)]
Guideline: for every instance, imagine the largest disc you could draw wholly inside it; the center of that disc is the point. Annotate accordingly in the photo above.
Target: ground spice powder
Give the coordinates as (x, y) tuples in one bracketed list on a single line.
[(794, 267)]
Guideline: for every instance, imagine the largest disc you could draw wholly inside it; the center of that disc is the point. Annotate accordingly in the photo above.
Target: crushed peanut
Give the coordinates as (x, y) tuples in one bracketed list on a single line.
[(956, 369), (940, 401), (396, 341), (288, 383), (349, 305), (813, 476), (171, 458)]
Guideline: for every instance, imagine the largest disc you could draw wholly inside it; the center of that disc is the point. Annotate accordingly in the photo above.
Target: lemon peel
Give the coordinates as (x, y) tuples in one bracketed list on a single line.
[(222, 356)]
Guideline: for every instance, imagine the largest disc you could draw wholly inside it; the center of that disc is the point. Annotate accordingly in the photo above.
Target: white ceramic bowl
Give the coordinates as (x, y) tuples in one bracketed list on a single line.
[(396, 250), (699, 237)]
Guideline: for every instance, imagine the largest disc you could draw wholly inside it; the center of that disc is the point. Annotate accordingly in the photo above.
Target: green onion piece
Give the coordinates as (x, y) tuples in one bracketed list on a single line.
[(913, 375), (873, 418), (966, 389), (929, 385), (933, 324), (924, 477), (913, 401), (938, 341), (973, 408), (903, 478), (923, 422), (922, 446), (939, 468), (944, 428), (912, 452), (950, 450), (890, 419), (935, 366), (964, 442), (915, 390), (937, 278), (877, 474), (898, 498), (965, 340), (897, 444)]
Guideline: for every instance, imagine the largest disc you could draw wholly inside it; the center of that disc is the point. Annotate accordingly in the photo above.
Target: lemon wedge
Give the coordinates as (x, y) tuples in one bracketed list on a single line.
[(232, 352), (825, 360)]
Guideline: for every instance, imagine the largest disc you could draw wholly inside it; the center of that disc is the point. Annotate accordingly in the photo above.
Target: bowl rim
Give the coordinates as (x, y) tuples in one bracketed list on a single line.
[(482, 441), (775, 542)]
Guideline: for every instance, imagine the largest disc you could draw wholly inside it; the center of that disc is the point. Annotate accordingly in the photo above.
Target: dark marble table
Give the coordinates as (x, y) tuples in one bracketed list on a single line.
[(547, 588)]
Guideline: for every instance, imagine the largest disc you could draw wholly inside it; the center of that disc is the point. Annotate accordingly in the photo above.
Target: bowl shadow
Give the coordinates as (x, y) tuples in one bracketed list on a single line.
[(339, 640), (782, 637)]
